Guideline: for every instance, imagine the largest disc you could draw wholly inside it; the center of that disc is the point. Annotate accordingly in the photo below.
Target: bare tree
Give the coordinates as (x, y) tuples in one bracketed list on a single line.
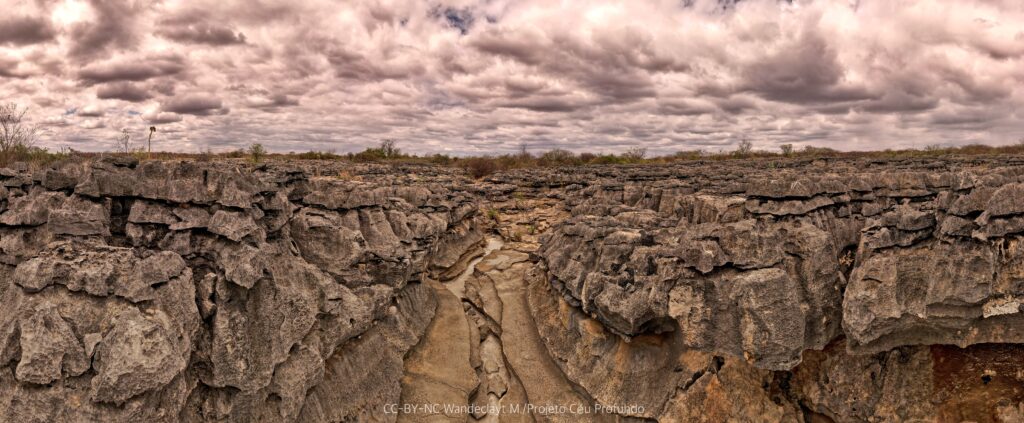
[(14, 133), (635, 154), (152, 129), (744, 148), (787, 149), (389, 149), (524, 152), (125, 141)]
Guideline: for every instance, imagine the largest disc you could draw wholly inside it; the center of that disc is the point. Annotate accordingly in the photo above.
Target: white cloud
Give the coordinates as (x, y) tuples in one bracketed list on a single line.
[(468, 76)]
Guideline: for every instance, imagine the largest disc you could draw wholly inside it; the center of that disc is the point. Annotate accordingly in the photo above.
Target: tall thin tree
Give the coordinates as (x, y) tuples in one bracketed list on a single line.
[(152, 129)]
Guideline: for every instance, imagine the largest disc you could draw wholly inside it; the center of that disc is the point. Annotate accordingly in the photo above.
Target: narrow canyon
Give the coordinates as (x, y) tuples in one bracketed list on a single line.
[(781, 290)]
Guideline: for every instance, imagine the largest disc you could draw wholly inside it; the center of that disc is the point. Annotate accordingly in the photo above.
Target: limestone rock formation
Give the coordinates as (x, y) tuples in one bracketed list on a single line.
[(316, 291), (765, 268), (182, 291), (770, 269)]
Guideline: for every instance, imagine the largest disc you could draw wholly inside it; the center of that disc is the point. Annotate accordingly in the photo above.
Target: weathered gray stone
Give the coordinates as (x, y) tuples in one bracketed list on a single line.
[(49, 349), (80, 217), (95, 331), (32, 209), (732, 291), (99, 270), (139, 353), (1007, 200), (232, 225)]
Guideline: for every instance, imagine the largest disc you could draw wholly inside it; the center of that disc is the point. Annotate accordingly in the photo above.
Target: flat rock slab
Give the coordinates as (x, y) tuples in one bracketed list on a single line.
[(437, 370), (543, 380)]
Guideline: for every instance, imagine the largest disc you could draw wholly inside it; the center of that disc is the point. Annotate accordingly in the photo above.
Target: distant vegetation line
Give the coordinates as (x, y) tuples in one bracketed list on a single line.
[(18, 139), (481, 166)]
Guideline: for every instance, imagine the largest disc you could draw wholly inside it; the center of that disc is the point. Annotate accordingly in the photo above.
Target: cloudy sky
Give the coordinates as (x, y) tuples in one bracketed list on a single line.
[(485, 76)]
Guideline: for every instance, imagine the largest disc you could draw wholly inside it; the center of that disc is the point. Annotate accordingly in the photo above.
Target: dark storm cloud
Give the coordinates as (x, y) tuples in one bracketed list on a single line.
[(965, 117), (132, 69), (684, 107), (273, 102), (894, 102), (25, 30), (162, 117), (544, 104), (201, 33), (735, 104), (126, 91), (194, 104)]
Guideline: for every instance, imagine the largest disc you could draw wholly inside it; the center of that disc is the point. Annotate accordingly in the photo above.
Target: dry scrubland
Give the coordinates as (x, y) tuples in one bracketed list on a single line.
[(18, 141), (481, 166)]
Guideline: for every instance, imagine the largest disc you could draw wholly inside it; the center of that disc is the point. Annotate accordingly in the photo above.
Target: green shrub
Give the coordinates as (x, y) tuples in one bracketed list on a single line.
[(315, 155), (688, 155), (606, 159), (257, 152), (441, 159)]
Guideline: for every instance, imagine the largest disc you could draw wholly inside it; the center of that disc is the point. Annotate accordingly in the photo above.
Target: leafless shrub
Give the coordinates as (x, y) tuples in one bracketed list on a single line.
[(124, 141), (14, 133), (635, 154), (205, 155), (479, 167), (787, 149), (524, 152), (688, 155), (390, 149), (744, 148)]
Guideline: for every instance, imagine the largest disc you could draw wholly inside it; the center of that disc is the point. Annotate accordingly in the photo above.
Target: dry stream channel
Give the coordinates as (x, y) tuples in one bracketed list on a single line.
[(483, 344)]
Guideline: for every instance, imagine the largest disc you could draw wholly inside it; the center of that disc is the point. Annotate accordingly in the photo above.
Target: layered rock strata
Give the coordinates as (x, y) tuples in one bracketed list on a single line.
[(180, 291), (763, 270), (764, 290)]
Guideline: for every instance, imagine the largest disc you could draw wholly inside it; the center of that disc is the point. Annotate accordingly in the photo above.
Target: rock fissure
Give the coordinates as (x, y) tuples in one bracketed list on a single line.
[(199, 292)]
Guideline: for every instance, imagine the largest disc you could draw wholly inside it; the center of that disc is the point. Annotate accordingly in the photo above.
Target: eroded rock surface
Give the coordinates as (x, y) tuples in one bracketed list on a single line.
[(805, 291), (762, 268), (182, 291), (767, 268)]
